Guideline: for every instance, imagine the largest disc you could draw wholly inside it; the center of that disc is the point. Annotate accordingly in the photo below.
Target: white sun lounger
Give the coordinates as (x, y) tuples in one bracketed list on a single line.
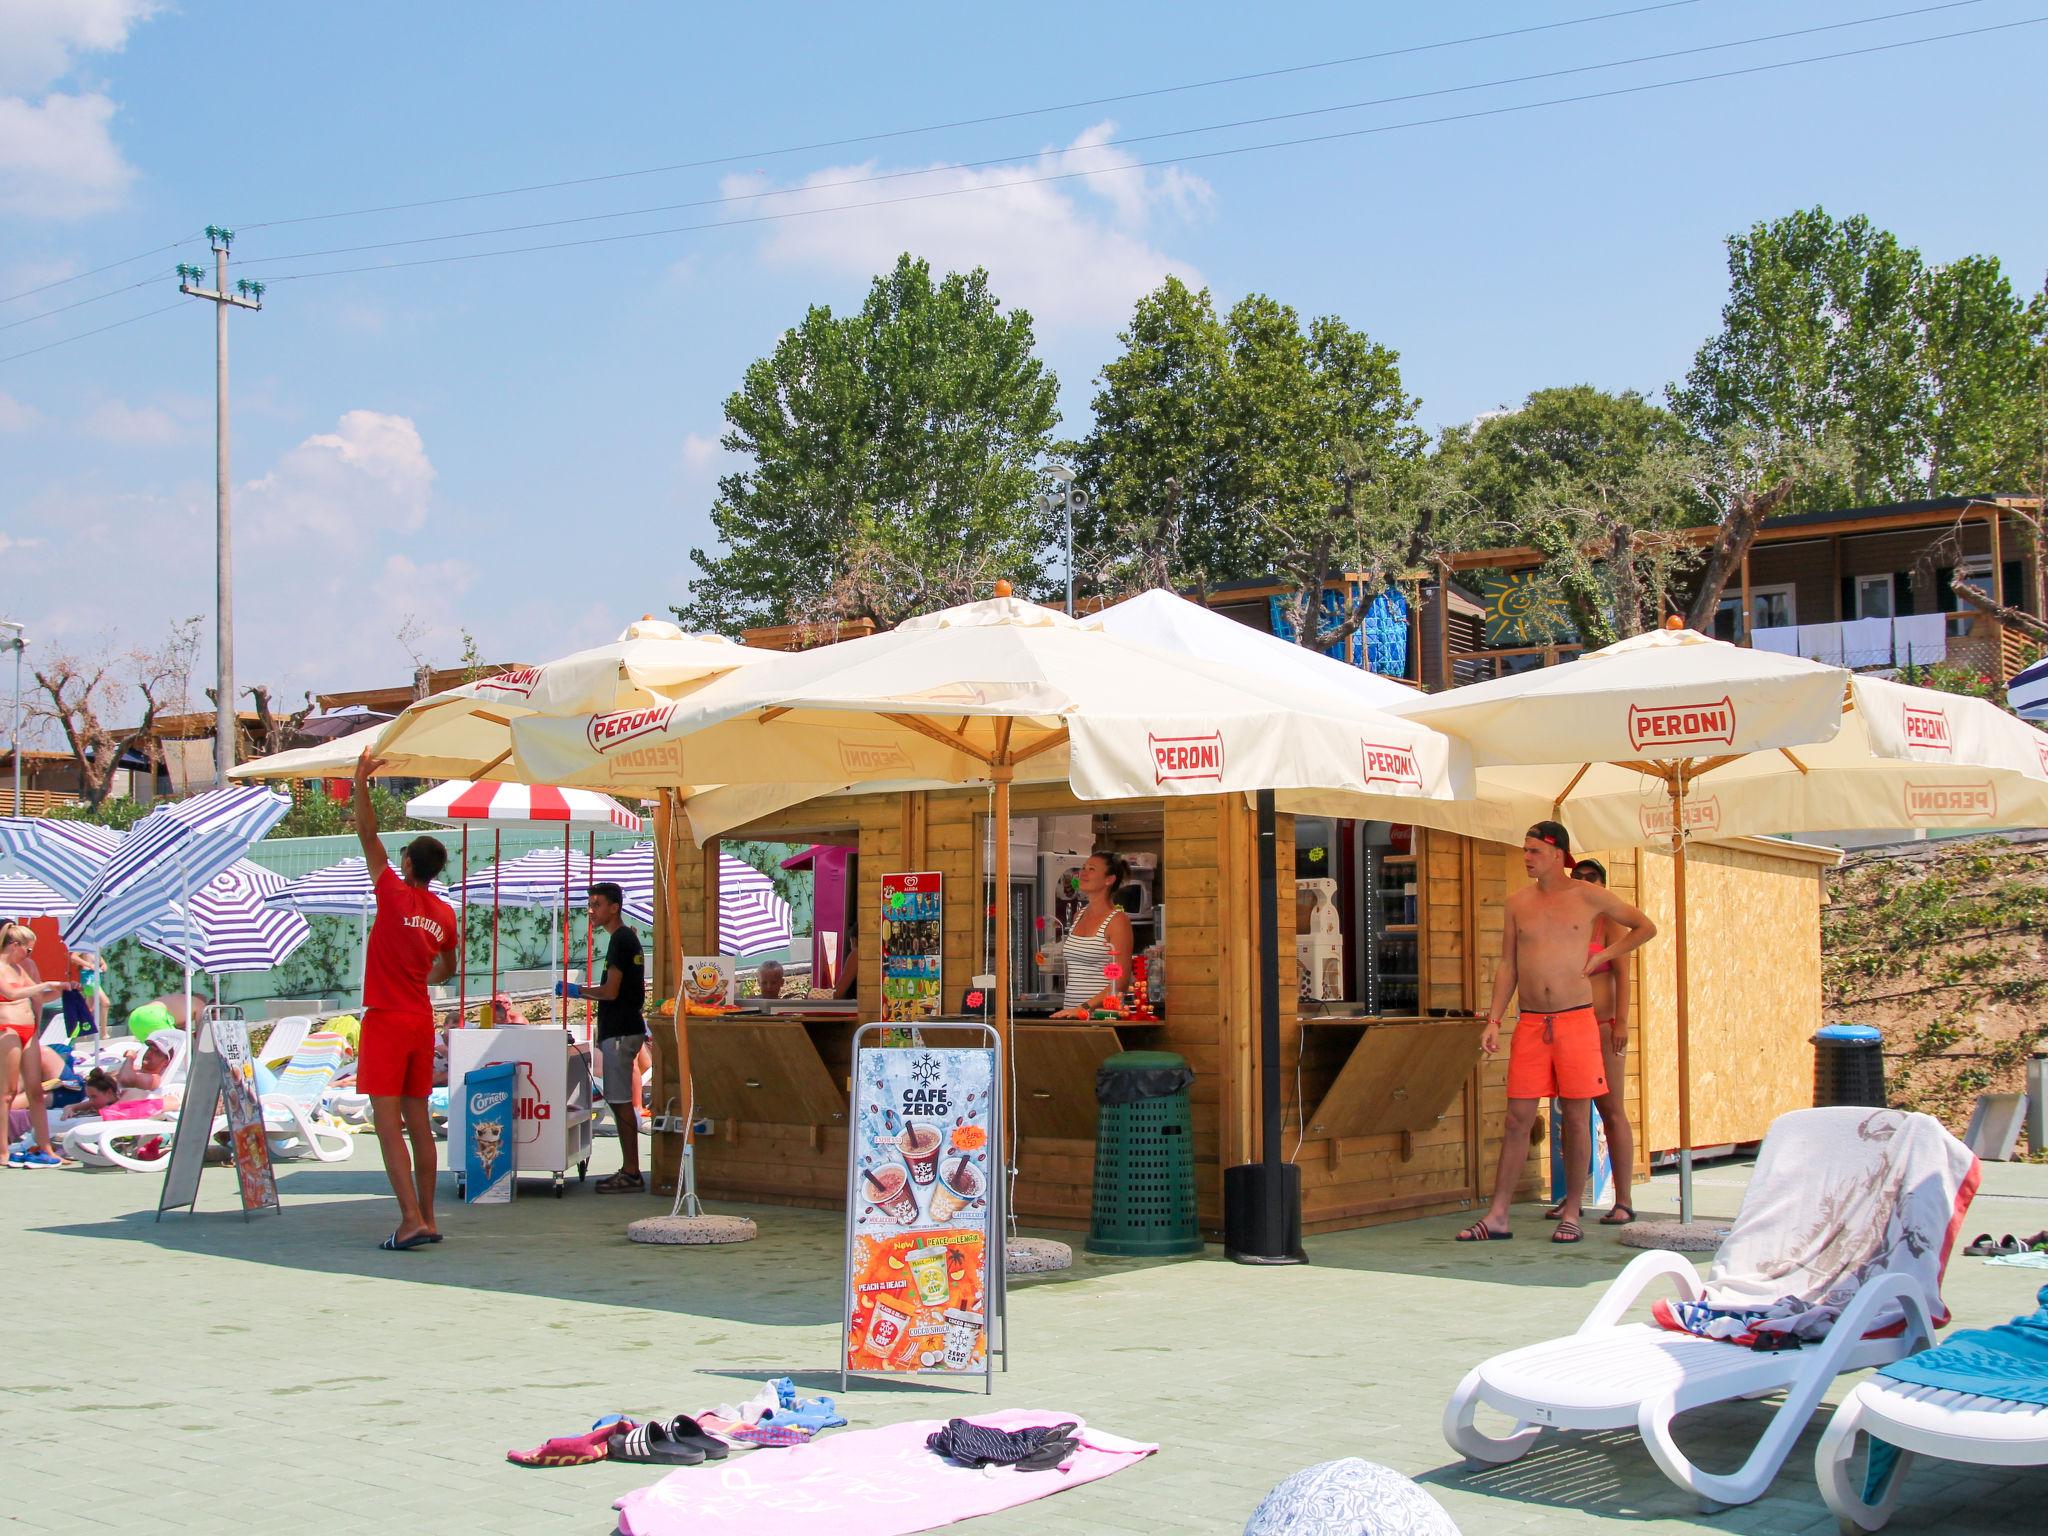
[(1920, 1421), (1616, 1375)]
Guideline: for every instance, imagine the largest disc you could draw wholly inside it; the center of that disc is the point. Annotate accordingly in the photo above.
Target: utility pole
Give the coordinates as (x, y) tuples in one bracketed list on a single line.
[(16, 643), (247, 295)]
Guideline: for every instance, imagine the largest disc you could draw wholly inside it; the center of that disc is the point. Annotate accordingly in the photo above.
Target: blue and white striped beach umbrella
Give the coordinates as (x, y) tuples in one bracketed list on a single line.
[(752, 916), (24, 896), (531, 880), (233, 928), (172, 852), (2027, 693), (339, 890), (64, 855)]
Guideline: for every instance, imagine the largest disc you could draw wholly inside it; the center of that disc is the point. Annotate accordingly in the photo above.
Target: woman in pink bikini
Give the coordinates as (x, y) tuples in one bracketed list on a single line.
[(22, 995), (1610, 1007)]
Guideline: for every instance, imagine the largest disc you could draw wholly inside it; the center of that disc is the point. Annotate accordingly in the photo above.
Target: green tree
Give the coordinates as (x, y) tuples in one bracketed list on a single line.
[(1153, 466), (891, 455), (1600, 483), (1232, 447), (1834, 329)]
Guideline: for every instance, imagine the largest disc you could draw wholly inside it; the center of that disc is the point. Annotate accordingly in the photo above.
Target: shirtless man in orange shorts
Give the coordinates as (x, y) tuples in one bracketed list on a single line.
[(1548, 956)]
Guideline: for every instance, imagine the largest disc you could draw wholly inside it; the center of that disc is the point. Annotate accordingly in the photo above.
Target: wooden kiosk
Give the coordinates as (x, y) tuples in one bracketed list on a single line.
[(1390, 1110)]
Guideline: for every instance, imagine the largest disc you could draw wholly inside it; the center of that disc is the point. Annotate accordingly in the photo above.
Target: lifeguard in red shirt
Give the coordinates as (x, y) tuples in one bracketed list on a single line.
[(414, 942)]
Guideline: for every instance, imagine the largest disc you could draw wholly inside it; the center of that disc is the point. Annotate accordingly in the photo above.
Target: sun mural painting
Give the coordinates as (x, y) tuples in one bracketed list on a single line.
[(1521, 609)]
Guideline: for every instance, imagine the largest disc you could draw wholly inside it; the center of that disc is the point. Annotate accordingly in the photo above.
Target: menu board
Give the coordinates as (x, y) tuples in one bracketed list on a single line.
[(221, 1079), (912, 947), (921, 1289)]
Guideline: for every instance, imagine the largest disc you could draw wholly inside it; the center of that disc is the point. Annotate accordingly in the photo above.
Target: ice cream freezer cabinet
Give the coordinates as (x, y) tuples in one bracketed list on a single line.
[(552, 1122)]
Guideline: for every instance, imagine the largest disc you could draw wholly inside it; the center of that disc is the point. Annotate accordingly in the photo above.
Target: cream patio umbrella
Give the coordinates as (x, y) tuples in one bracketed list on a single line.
[(465, 732), (973, 695), (1672, 732)]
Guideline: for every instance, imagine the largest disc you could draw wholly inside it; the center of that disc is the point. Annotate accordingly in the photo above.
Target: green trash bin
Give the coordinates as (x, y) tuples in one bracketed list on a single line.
[(1144, 1204)]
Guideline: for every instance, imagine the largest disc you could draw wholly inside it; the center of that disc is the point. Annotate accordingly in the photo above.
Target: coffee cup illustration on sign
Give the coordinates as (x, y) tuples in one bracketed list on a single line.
[(960, 1185), (920, 1144), (888, 1190)]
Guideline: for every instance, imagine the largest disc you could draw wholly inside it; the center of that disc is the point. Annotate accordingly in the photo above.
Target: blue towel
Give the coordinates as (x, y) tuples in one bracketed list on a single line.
[(2009, 1362)]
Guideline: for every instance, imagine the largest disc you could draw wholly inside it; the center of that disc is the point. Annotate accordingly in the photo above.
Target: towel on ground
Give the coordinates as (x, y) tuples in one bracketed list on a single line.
[(868, 1482), (1839, 1196)]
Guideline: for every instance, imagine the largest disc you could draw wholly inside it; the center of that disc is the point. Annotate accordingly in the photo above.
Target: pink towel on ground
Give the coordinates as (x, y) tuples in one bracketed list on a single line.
[(868, 1482)]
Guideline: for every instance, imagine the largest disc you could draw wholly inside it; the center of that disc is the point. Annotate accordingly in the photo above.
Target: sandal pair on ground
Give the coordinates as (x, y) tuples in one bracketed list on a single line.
[(1984, 1245), (677, 1442), (396, 1244), (1567, 1231)]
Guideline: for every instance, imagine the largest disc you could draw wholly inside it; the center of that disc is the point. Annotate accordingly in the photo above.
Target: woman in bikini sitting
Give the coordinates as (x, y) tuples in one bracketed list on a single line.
[(22, 995), (1099, 936), (1610, 1007)]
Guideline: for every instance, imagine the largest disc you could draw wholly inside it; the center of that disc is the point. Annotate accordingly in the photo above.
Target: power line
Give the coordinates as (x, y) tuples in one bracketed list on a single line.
[(125, 261), (111, 293), (1059, 176), (1187, 159), (880, 177), (978, 122), (66, 341)]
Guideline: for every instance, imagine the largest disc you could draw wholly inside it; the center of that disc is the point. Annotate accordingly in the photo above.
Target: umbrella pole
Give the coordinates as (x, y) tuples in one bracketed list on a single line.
[(185, 923), (562, 955), (668, 935), (589, 935), (1684, 1014), (1000, 832), (497, 859)]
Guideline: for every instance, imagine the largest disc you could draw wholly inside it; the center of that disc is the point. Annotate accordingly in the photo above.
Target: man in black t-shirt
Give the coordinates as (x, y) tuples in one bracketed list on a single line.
[(621, 1028)]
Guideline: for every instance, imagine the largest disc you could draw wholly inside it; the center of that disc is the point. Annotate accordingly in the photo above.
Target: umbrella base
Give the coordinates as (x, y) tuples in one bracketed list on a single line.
[(1262, 1214), (1036, 1256), (691, 1231), (1674, 1236)]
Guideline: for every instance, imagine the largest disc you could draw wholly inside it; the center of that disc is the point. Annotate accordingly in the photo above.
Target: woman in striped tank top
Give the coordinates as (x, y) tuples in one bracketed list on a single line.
[(1099, 934)]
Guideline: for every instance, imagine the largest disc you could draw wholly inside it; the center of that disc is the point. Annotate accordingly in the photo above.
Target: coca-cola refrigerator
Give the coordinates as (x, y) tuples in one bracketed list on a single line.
[(551, 1123)]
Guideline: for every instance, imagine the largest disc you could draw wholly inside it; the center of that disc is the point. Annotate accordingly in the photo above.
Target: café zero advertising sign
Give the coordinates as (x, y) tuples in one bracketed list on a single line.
[(921, 1289)]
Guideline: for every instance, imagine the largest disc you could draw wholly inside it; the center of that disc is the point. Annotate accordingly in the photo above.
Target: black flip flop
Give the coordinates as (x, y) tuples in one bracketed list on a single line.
[(1480, 1232), (1568, 1232), (653, 1443), (1611, 1220), (1982, 1246), (686, 1431), (396, 1244)]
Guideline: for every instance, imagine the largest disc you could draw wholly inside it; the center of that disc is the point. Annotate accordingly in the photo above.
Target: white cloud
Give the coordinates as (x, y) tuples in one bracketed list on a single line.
[(16, 417), (700, 452), (135, 426), (58, 158), (1072, 252), (13, 546), (41, 39), (370, 476)]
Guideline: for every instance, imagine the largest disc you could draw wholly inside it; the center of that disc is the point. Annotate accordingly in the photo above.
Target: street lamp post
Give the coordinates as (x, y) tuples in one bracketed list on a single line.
[(1065, 499), (17, 644)]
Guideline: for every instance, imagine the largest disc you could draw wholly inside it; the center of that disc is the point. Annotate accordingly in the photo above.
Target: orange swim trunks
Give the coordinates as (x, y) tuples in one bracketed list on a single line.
[(1556, 1055)]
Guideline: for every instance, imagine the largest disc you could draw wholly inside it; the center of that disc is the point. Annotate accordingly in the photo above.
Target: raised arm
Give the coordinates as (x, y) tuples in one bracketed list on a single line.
[(1640, 930), (374, 855), (1505, 980)]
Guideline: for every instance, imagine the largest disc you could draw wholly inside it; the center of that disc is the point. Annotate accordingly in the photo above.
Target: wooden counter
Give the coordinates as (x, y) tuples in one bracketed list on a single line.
[(1390, 1074)]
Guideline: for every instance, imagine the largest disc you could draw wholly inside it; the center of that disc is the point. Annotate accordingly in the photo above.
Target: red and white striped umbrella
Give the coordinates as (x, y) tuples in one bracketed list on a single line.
[(460, 803)]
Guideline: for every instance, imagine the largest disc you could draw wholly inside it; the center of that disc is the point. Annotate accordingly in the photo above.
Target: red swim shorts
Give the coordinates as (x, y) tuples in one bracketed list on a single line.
[(1556, 1055), (397, 1056)]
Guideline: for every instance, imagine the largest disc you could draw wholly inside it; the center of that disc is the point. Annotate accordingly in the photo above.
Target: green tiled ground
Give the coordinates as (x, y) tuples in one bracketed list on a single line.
[(207, 1374)]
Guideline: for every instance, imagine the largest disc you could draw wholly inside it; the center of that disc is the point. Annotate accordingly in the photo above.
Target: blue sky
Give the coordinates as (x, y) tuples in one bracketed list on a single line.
[(527, 445)]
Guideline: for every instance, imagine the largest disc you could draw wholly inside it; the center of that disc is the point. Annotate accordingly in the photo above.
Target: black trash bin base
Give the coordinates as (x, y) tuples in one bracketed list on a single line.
[(1262, 1214)]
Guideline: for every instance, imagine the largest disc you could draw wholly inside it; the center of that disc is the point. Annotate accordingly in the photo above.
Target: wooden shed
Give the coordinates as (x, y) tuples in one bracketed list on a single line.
[(1390, 1110)]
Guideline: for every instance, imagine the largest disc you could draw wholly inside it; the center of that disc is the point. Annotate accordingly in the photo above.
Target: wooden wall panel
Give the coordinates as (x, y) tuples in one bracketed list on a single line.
[(1754, 942)]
